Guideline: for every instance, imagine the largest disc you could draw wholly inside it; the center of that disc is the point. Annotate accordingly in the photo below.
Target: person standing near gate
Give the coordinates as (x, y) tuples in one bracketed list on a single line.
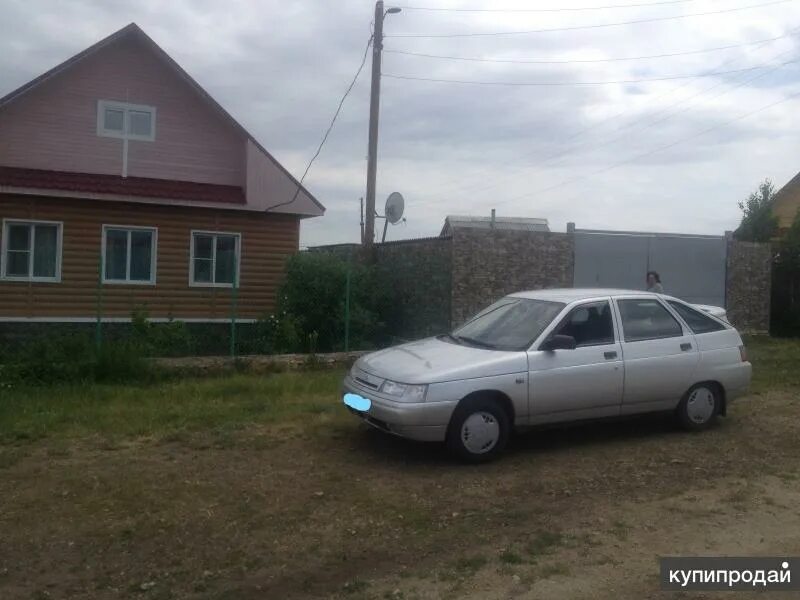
[(654, 283)]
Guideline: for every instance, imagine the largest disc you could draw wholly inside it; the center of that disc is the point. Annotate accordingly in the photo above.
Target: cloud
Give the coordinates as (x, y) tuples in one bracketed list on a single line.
[(280, 68)]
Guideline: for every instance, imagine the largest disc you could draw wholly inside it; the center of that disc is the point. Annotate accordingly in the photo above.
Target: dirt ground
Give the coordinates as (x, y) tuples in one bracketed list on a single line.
[(329, 508)]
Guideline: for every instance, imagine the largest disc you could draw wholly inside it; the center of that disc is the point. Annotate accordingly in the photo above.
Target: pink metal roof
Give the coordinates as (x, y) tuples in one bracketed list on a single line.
[(269, 180)]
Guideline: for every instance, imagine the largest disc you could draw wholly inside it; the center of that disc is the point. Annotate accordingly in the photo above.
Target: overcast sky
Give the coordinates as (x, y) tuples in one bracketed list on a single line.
[(612, 156)]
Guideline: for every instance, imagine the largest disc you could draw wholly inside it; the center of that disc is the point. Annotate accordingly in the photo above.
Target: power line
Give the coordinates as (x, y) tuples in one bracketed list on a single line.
[(650, 124), (534, 61), (651, 152), (328, 131), (542, 10), (580, 132), (571, 83), (595, 26)]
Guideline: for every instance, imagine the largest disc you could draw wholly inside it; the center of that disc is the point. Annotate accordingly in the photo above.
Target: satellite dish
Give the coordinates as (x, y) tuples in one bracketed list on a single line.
[(394, 207)]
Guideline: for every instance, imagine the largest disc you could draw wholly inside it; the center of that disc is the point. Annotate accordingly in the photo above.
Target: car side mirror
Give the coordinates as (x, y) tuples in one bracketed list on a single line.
[(559, 342)]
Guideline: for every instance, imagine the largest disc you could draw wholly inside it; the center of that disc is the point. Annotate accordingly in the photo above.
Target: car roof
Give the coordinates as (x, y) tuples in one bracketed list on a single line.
[(568, 295)]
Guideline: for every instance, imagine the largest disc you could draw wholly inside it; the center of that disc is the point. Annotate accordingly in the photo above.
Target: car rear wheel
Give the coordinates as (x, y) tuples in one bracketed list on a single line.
[(479, 430), (699, 407)]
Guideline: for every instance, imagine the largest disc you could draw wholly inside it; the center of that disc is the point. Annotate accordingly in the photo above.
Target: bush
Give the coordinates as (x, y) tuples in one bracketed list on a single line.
[(160, 339), (310, 318), (74, 358), (68, 357), (272, 334), (118, 362), (311, 304)]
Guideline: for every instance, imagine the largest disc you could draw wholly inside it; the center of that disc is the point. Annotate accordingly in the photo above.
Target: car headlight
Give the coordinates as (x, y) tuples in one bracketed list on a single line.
[(404, 391)]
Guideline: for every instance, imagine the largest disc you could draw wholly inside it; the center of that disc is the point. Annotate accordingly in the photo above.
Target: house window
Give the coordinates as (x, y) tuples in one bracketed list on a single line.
[(127, 121), (215, 259), (31, 250), (129, 254)]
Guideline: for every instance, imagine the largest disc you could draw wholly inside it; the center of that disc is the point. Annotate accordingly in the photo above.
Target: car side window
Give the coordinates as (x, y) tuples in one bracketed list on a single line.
[(590, 324), (696, 320), (647, 319)]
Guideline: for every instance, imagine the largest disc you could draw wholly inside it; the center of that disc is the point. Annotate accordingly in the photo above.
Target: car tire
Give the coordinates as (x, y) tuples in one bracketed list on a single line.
[(699, 407), (479, 430)]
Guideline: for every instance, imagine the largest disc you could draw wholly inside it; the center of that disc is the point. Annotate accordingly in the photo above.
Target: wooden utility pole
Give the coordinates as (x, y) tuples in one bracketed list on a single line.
[(374, 111)]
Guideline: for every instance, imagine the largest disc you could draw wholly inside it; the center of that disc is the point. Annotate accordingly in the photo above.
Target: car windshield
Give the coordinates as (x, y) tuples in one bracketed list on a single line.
[(508, 324)]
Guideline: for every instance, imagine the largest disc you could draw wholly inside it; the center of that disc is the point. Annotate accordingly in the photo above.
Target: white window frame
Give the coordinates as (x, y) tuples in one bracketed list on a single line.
[(153, 255), (214, 234), (125, 107), (4, 255)]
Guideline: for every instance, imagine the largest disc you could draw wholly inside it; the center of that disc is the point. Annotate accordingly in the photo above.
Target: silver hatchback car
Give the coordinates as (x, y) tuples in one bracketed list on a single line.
[(552, 356)]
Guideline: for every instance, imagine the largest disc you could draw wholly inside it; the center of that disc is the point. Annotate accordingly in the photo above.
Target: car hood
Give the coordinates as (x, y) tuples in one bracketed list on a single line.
[(433, 360)]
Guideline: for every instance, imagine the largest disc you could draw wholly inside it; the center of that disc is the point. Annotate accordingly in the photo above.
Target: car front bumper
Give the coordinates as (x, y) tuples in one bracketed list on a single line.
[(423, 421)]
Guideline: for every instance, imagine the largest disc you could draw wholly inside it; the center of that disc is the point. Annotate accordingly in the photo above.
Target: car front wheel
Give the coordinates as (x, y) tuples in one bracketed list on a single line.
[(479, 430), (699, 407)]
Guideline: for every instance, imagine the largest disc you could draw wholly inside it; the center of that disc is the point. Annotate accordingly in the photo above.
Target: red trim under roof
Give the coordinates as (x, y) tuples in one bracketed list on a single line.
[(124, 186)]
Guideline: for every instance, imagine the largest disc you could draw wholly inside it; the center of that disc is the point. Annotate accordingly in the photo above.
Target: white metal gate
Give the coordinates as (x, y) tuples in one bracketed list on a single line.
[(692, 267)]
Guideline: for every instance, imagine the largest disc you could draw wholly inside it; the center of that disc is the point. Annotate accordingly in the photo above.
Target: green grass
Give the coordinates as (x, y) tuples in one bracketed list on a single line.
[(775, 362), (166, 409), (171, 409), (509, 557), (326, 499)]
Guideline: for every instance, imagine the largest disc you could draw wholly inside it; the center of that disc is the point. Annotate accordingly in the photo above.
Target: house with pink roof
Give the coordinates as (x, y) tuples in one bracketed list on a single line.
[(125, 186)]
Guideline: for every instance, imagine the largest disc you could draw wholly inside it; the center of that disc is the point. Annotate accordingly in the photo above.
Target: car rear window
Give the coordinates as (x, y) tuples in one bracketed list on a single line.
[(695, 319)]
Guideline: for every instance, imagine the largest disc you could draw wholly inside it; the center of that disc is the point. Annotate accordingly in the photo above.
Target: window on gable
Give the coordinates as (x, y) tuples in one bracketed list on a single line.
[(215, 259), (129, 255), (31, 250), (140, 122), (114, 120), (127, 121)]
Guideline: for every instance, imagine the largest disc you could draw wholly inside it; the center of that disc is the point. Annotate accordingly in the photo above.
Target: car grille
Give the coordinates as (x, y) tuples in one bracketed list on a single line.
[(367, 380), (366, 383)]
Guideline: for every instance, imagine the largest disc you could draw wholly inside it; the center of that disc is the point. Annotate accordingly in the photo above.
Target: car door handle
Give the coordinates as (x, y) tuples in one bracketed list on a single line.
[(686, 347), (610, 355)]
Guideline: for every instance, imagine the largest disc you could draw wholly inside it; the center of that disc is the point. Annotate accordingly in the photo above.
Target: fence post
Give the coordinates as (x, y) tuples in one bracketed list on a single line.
[(234, 289), (347, 303), (98, 333)]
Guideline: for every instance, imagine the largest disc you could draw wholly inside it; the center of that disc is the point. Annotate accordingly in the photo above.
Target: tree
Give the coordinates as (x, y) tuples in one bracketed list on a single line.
[(758, 223)]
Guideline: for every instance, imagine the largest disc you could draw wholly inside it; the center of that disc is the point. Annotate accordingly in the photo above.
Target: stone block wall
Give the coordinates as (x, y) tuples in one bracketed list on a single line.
[(748, 285), (488, 264), (440, 282)]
